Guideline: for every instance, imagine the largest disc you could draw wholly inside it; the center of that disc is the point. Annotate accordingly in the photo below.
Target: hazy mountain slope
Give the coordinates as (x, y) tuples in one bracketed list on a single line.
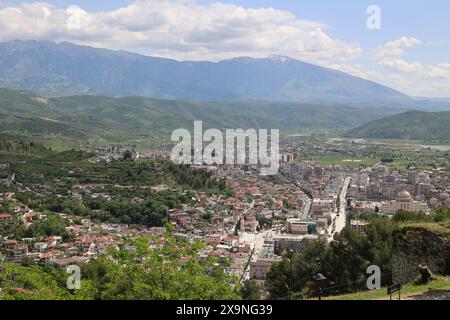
[(106, 119), (65, 69), (428, 126)]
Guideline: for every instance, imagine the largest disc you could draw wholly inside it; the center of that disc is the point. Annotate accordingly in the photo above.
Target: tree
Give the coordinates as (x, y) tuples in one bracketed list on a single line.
[(381, 233), (278, 279), (53, 225), (128, 155), (237, 228), (402, 216), (250, 290), (312, 228), (32, 283), (347, 260), (342, 262), (12, 229), (158, 273)]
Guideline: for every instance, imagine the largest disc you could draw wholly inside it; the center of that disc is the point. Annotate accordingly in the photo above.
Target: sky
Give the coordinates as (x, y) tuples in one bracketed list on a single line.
[(402, 44)]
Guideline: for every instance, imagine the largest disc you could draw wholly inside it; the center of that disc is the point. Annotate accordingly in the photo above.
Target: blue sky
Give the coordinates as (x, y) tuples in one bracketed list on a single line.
[(411, 51), (422, 19)]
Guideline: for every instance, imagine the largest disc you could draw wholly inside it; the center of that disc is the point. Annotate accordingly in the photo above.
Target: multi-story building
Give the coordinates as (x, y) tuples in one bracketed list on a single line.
[(297, 226), (262, 265), (320, 208), (358, 225), (287, 157), (412, 177), (389, 191), (296, 243), (424, 189)]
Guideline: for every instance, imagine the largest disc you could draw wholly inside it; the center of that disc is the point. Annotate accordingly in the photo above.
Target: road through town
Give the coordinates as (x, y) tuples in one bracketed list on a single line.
[(339, 217)]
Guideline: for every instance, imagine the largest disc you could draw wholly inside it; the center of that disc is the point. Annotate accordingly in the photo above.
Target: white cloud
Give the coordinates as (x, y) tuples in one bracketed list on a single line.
[(188, 30), (181, 29), (391, 55), (394, 70), (358, 70), (414, 78)]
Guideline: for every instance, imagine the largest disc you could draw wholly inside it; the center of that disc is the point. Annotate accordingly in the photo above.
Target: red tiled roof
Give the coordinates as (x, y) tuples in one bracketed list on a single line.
[(65, 245), (66, 261)]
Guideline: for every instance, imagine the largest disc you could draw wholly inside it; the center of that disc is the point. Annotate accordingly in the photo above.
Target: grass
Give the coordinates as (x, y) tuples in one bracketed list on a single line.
[(345, 160), (441, 284)]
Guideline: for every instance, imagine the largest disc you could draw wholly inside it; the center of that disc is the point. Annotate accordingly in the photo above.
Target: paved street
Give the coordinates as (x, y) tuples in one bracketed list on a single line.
[(339, 218), (306, 209), (257, 242)]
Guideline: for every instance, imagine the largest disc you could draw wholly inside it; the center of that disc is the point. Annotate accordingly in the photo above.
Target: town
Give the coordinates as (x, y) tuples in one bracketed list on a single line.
[(252, 226)]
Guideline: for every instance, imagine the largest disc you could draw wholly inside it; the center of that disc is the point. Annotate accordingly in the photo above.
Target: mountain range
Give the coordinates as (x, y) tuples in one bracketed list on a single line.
[(72, 93), (57, 69)]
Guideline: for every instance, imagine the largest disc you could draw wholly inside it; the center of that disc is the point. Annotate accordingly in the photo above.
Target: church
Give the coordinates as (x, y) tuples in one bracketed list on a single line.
[(404, 202)]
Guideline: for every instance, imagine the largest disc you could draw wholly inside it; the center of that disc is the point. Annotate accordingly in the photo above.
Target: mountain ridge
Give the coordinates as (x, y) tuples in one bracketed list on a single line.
[(66, 69), (413, 124), (103, 119)]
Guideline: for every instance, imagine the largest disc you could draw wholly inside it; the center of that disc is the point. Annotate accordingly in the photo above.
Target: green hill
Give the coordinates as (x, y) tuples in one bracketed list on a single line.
[(417, 125), (99, 119)]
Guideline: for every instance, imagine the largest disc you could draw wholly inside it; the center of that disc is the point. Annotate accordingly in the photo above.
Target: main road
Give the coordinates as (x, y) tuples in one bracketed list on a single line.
[(339, 217)]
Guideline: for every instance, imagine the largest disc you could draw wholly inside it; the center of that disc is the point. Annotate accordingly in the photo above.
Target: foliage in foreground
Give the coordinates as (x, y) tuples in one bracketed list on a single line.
[(140, 270), (344, 261)]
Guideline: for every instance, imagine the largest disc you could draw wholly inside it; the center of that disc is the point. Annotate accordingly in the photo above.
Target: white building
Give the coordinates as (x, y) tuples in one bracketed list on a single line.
[(404, 202)]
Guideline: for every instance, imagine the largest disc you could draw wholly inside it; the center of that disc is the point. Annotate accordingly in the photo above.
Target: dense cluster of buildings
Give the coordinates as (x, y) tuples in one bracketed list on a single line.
[(266, 216), (386, 190), (88, 240)]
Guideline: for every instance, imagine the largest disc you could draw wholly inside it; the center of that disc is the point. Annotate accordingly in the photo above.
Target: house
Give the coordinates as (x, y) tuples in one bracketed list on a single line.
[(65, 262), (230, 241), (67, 247), (48, 257), (40, 246), (9, 244), (244, 248), (85, 244), (212, 239), (322, 223), (53, 241)]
